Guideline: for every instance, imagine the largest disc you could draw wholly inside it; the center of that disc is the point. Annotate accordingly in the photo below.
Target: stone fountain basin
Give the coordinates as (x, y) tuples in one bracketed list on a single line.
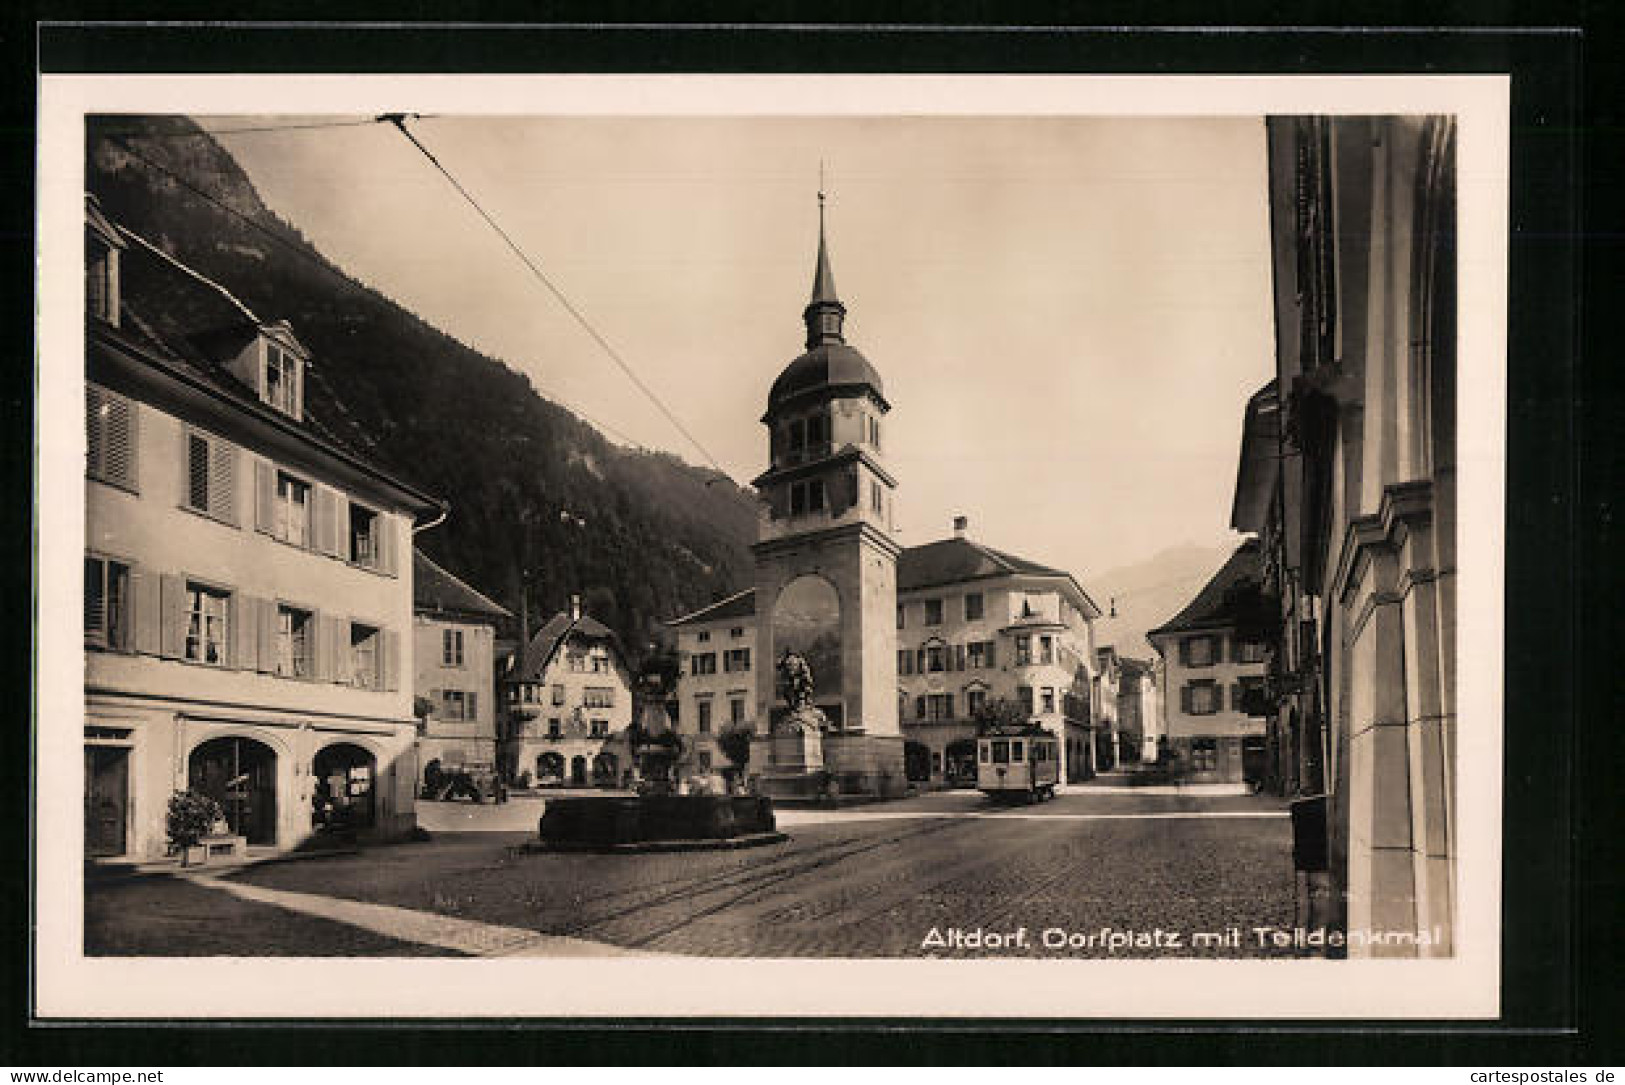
[(657, 823)]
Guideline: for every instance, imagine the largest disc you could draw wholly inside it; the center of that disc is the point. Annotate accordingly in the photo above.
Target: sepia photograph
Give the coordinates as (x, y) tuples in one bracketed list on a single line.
[(841, 543)]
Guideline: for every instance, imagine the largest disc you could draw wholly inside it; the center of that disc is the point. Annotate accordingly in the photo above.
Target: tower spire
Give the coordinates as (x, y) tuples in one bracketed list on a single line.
[(824, 313)]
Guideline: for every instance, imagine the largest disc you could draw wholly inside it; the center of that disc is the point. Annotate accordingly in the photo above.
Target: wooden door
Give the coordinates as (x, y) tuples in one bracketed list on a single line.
[(107, 795)]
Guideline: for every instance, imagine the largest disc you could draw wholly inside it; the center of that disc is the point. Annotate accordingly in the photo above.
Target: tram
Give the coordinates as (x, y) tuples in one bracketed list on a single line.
[(1018, 764)]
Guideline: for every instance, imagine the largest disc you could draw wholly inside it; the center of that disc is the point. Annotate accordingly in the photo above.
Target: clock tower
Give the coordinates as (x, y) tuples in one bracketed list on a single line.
[(826, 562)]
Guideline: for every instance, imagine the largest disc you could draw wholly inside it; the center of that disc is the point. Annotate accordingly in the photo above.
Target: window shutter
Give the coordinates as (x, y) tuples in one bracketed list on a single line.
[(172, 616), (919, 660), (919, 707), (389, 673), (264, 495), (473, 705), (1235, 697), (1223, 646), (95, 439), (321, 519), (119, 451), (321, 647), (145, 614), (959, 657), (385, 528), (265, 620), (1184, 651), (240, 620), (992, 654), (1185, 699), (223, 480), (948, 706)]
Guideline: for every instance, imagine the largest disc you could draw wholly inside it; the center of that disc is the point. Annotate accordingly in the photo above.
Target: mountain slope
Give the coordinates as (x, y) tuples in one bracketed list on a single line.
[(1150, 592), (536, 493)]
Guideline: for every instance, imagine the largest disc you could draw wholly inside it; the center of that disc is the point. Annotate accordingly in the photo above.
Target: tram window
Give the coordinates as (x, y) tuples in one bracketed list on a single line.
[(1015, 751), (982, 749), (1039, 752), (1001, 751)]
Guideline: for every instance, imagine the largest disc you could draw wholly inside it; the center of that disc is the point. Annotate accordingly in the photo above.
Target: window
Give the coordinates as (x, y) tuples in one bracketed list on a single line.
[(736, 711), (1247, 696), (294, 655), (600, 729), (576, 661), (975, 701), (876, 503), (982, 750), (1024, 695), (110, 432), (1250, 651), (457, 705), (101, 293), (290, 512), (1001, 751), (736, 659), (919, 707), (973, 606), (364, 536), (558, 693), (798, 434), (206, 631), (703, 759), (817, 431), (1046, 649), (933, 612), (1015, 750), (364, 656), (736, 632), (598, 697), (703, 714), (806, 496), (704, 637), (900, 612), (905, 661), (451, 647), (933, 657), (598, 659), (1204, 754), (211, 469), (702, 663), (107, 603), (1202, 698), (281, 379), (555, 727), (874, 431), (1047, 699), (1024, 649), (940, 706), (977, 654), (1198, 651)]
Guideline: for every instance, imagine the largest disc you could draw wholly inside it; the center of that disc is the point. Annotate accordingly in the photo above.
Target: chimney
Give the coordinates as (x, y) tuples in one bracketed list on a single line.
[(960, 524), (575, 608)]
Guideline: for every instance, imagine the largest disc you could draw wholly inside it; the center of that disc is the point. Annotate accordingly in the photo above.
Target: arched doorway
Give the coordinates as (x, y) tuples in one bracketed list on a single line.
[(917, 762), (549, 769), (604, 770), (578, 771), (239, 774), (961, 767), (344, 797)]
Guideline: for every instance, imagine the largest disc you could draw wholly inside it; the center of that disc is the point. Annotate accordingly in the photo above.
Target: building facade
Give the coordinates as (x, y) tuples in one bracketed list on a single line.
[(1348, 475), (247, 602), (454, 648), (1139, 710), (716, 686), (976, 625), (569, 706), (1213, 666)]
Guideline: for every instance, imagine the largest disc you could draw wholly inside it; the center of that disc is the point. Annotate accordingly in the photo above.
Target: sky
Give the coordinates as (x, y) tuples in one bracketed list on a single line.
[(1068, 313)]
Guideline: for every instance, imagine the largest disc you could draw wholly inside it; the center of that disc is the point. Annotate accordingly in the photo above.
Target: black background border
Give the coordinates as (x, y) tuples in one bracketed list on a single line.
[(1560, 448)]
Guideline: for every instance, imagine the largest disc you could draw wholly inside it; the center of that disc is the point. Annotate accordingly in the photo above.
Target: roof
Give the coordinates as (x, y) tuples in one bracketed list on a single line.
[(738, 605), (173, 317), (550, 637), (1259, 460), (830, 367), (1134, 668), (1214, 606), (437, 591)]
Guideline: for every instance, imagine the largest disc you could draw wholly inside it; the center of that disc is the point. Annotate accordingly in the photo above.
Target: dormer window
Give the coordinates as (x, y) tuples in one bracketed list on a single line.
[(282, 380), (101, 282)]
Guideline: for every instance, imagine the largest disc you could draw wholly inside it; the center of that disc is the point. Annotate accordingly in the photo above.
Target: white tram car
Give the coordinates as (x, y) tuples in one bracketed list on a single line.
[(1018, 766)]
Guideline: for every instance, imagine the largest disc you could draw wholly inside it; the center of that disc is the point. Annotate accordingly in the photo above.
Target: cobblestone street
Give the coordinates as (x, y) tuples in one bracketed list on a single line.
[(907, 879)]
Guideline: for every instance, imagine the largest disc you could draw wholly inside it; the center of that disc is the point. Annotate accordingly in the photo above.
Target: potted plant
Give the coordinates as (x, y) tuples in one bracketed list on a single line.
[(191, 816)]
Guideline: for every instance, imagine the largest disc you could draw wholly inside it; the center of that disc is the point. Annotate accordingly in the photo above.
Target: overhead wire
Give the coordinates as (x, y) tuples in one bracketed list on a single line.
[(322, 263), (399, 121)]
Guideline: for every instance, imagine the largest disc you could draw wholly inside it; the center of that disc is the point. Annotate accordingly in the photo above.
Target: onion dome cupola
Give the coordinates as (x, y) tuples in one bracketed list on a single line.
[(830, 367)]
